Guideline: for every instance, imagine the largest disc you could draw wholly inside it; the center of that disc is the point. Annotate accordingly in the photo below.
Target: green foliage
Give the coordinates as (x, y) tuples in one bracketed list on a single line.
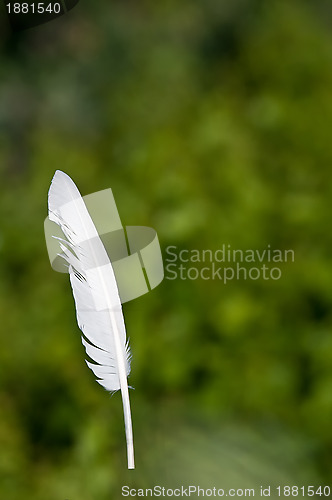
[(211, 122)]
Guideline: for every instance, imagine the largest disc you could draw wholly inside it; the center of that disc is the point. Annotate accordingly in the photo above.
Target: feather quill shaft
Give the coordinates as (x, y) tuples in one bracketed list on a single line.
[(97, 301)]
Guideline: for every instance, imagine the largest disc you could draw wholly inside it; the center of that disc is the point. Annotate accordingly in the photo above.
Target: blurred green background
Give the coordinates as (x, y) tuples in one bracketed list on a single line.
[(211, 122)]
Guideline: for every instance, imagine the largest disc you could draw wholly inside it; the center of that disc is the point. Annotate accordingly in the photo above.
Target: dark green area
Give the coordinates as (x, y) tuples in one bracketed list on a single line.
[(211, 121)]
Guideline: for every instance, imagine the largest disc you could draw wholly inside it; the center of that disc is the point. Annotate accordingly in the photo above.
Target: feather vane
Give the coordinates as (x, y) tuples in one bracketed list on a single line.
[(98, 306)]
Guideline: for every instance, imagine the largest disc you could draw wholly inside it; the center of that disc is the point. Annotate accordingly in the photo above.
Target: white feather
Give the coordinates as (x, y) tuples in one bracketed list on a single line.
[(98, 305)]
